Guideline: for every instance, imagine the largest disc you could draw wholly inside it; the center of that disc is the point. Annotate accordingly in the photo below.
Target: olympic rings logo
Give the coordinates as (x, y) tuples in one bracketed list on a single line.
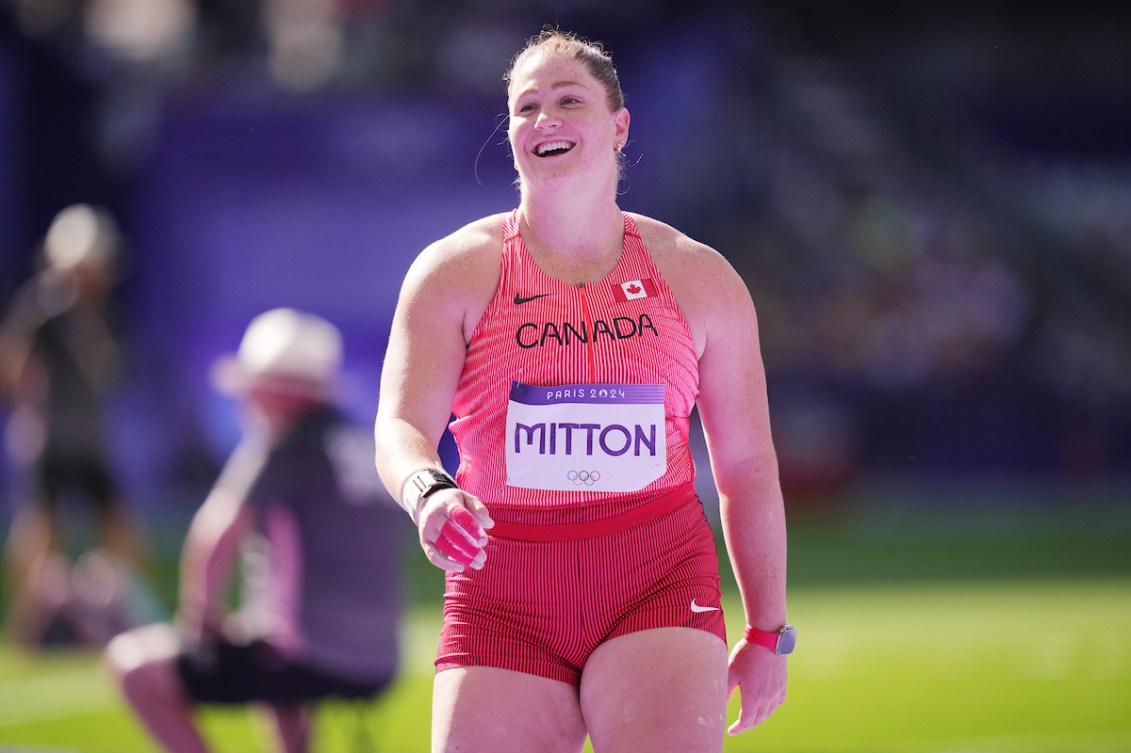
[(588, 478)]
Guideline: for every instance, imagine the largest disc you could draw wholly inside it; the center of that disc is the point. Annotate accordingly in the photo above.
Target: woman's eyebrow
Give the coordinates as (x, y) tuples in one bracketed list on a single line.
[(556, 85)]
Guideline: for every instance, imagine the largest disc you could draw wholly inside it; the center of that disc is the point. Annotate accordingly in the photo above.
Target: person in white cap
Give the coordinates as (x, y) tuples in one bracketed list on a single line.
[(321, 605), (60, 358)]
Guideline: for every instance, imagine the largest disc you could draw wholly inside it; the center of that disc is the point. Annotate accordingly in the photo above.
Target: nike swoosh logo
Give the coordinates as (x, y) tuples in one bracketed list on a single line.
[(696, 608), (519, 300)]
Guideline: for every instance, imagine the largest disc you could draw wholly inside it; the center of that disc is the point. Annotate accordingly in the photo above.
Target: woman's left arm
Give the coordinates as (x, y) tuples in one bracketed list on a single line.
[(734, 409)]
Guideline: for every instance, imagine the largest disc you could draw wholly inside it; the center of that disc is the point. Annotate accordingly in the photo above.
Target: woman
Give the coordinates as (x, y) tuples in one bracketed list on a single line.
[(571, 341)]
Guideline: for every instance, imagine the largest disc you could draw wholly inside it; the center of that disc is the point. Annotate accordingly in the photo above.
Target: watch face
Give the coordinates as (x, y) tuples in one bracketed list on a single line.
[(787, 640)]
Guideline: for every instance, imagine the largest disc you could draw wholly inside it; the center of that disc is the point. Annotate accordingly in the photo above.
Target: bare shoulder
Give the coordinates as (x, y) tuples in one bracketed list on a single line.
[(455, 277), (678, 253), (475, 245), (697, 274), (466, 261)]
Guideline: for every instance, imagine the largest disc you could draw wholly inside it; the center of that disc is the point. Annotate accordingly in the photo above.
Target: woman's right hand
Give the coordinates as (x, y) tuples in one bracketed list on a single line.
[(452, 525)]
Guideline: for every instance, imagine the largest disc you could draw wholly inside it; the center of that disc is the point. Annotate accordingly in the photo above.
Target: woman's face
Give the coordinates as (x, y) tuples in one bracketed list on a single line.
[(560, 123)]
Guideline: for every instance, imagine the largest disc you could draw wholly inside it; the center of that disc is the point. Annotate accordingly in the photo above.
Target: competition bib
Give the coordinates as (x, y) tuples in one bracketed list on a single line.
[(586, 437)]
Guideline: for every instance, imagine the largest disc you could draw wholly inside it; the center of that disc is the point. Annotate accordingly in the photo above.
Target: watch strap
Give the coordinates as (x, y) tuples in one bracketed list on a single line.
[(770, 639), (423, 484), (429, 481)]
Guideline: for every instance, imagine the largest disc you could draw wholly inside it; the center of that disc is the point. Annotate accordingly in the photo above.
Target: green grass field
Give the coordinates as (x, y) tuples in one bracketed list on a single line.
[(942, 637)]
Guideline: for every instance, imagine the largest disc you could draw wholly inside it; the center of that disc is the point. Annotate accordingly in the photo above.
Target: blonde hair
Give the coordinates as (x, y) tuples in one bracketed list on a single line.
[(573, 47)]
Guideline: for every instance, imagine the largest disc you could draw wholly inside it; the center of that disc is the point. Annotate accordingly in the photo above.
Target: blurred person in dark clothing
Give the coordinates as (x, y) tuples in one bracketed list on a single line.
[(300, 501), (60, 357)]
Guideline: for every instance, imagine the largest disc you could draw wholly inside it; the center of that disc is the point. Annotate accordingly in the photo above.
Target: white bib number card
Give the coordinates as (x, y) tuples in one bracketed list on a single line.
[(586, 437)]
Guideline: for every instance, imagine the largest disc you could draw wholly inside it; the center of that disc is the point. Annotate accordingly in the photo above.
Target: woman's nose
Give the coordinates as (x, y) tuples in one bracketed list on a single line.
[(547, 119)]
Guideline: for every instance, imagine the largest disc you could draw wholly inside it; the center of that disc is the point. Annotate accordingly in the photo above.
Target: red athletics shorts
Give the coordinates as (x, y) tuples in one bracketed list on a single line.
[(542, 607)]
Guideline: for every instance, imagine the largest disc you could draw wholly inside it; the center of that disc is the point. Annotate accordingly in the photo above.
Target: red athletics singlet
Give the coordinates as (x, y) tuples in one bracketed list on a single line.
[(611, 436), (572, 418)]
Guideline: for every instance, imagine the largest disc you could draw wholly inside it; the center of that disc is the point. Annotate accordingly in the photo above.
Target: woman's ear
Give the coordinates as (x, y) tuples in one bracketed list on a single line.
[(621, 126)]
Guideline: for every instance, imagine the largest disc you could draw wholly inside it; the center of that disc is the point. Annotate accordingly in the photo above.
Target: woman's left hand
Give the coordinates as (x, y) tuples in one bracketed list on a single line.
[(760, 675)]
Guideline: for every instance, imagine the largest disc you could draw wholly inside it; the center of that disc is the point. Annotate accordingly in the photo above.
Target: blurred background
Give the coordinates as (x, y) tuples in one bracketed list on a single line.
[(930, 202)]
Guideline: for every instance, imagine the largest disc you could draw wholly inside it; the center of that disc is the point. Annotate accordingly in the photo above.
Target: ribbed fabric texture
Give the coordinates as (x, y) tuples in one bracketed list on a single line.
[(544, 607), (543, 331)]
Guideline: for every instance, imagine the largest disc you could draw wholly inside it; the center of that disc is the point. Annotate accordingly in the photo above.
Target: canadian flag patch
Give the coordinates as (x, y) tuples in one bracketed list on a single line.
[(630, 290)]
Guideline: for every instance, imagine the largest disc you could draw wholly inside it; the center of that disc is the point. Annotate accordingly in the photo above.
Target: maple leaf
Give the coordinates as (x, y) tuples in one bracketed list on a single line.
[(633, 289)]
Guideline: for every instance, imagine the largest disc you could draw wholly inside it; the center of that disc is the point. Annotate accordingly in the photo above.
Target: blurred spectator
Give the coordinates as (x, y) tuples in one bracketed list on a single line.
[(84, 605), (319, 539), (59, 359)]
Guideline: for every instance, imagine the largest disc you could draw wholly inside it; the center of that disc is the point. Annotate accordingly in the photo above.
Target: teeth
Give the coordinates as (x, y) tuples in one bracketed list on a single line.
[(552, 146)]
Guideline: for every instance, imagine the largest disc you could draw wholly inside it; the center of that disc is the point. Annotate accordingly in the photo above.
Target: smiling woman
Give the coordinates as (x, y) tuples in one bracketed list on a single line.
[(545, 109), (572, 343)]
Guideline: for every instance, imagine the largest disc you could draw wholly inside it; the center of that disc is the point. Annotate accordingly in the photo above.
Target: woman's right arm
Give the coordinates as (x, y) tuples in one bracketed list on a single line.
[(443, 296)]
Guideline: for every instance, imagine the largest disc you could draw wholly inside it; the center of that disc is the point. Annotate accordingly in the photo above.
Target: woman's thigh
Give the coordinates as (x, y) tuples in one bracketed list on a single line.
[(486, 709), (657, 690)]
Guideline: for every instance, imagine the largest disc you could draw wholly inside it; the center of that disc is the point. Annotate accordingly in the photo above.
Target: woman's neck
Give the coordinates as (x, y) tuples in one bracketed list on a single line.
[(572, 228)]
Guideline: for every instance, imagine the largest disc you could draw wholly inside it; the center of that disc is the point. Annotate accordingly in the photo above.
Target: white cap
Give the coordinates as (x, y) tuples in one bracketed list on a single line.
[(291, 350), (81, 234)]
